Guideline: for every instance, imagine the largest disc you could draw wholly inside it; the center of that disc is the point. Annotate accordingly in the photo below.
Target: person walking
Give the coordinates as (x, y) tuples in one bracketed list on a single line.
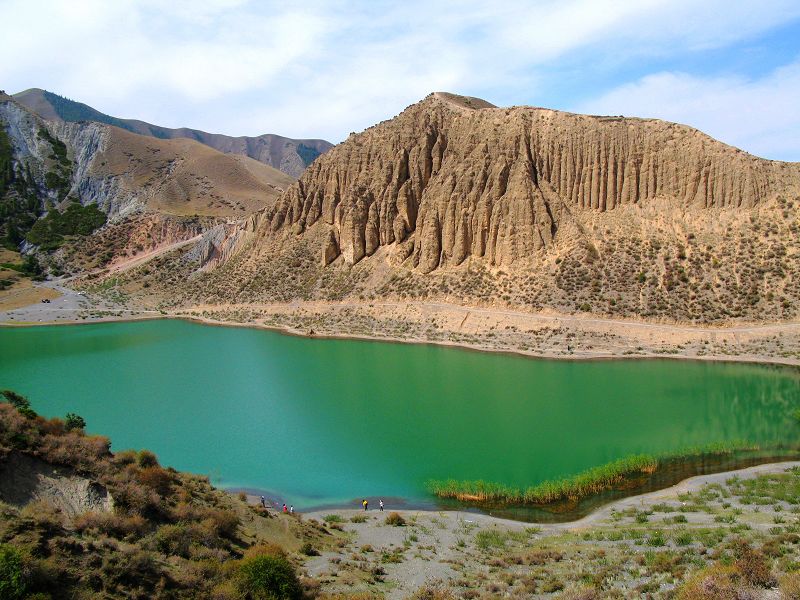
[(291, 509), (286, 510), (380, 505), (365, 503), (263, 502)]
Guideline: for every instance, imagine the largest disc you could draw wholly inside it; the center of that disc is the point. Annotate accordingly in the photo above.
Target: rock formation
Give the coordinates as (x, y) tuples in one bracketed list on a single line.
[(454, 177)]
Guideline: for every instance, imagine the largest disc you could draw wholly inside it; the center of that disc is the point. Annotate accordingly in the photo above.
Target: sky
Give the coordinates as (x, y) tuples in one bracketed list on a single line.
[(321, 69)]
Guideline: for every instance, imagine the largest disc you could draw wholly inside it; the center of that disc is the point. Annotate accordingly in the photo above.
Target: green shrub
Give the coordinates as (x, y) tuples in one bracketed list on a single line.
[(73, 421), (20, 402), (268, 578), (12, 577), (333, 519)]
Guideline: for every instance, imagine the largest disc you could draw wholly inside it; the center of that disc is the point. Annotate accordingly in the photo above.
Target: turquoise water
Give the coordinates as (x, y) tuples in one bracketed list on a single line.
[(329, 421)]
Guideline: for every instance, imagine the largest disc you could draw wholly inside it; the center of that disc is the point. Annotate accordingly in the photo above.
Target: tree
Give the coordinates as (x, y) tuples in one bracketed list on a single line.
[(74, 421)]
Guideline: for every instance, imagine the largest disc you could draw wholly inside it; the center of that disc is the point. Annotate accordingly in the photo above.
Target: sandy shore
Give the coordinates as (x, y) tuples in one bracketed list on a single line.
[(486, 329)]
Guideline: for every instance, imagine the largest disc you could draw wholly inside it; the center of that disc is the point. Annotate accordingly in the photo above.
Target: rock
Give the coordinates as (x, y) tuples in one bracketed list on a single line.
[(24, 479), (481, 181)]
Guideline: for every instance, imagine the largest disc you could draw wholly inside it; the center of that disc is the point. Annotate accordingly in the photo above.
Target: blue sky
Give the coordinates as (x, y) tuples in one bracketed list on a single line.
[(326, 68)]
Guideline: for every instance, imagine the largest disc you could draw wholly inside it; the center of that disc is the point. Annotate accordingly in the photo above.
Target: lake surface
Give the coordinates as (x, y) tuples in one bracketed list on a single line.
[(328, 421)]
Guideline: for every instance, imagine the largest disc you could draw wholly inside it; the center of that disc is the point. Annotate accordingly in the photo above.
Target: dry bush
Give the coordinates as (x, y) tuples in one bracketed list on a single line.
[(157, 479), (264, 550), (395, 519), (754, 567), (433, 591), (114, 525), (44, 515), (579, 593), (717, 582), (789, 586)]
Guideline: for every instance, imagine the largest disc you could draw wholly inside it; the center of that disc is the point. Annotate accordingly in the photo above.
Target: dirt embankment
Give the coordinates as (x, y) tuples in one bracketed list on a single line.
[(25, 479)]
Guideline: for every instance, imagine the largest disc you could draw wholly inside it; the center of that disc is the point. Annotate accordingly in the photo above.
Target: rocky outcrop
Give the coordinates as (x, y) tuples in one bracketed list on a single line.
[(224, 240), (453, 177), (24, 479)]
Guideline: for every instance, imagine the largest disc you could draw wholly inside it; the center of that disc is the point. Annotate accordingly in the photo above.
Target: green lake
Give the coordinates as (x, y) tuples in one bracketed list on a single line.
[(320, 422)]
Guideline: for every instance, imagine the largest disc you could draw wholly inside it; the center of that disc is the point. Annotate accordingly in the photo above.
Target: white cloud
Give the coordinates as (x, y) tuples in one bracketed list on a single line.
[(324, 68), (761, 115)]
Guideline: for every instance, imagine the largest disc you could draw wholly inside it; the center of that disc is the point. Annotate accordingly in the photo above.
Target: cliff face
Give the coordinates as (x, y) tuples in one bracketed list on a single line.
[(451, 178)]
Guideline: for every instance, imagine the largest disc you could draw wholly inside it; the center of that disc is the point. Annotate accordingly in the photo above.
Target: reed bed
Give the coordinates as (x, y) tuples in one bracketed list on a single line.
[(589, 482)]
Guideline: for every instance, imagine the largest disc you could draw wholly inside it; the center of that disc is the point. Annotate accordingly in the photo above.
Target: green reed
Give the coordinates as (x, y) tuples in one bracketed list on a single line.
[(589, 482)]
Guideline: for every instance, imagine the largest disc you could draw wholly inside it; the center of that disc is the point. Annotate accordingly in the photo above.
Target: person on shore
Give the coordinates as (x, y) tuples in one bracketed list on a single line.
[(263, 502), (291, 509), (380, 505), (365, 503), (286, 510)]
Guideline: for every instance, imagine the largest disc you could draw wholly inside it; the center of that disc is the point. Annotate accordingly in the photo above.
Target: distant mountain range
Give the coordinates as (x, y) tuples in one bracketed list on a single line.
[(285, 154)]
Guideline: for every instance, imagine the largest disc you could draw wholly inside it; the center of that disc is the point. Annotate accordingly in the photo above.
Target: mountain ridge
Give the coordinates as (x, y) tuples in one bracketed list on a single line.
[(289, 155)]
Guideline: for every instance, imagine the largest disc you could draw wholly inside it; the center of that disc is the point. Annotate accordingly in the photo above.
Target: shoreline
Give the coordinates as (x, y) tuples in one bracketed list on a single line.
[(690, 484), (580, 355)]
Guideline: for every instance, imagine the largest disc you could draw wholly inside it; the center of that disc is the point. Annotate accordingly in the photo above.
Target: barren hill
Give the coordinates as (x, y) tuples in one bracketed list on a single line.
[(184, 177), (457, 200), (285, 154)]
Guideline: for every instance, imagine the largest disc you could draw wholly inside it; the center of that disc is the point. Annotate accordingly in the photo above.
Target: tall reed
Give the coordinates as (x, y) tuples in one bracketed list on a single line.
[(589, 482)]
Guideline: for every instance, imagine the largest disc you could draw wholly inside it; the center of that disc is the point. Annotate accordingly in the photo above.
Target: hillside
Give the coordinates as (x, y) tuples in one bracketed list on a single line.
[(527, 209), (285, 154)]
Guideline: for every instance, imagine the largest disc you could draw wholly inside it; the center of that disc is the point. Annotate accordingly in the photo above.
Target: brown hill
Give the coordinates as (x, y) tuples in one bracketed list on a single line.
[(455, 200), (289, 155), (184, 177)]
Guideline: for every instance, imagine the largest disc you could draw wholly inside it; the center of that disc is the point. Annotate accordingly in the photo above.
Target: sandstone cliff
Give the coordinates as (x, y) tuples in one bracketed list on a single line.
[(451, 178)]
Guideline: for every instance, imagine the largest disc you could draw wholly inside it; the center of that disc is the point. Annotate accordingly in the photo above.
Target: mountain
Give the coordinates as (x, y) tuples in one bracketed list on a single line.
[(457, 200), (49, 166), (285, 154)]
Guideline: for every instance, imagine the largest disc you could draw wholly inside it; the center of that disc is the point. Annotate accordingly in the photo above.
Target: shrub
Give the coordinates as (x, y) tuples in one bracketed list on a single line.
[(308, 550), (12, 576), (358, 519), (753, 566), (395, 519), (712, 583), (790, 586), (333, 519), (268, 577), (73, 421), (147, 459), (157, 479), (20, 402), (117, 526)]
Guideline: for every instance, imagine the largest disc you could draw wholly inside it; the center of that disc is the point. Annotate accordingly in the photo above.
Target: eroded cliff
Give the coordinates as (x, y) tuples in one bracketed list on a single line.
[(448, 179)]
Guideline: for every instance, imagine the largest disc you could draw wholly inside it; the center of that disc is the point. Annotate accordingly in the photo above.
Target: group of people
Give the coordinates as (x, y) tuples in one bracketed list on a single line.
[(288, 510), (365, 504)]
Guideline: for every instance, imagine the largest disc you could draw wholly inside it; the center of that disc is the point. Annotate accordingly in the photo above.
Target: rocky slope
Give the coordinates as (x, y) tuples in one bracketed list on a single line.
[(458, 181), (459, 201), (124, 172), (285, 154)]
